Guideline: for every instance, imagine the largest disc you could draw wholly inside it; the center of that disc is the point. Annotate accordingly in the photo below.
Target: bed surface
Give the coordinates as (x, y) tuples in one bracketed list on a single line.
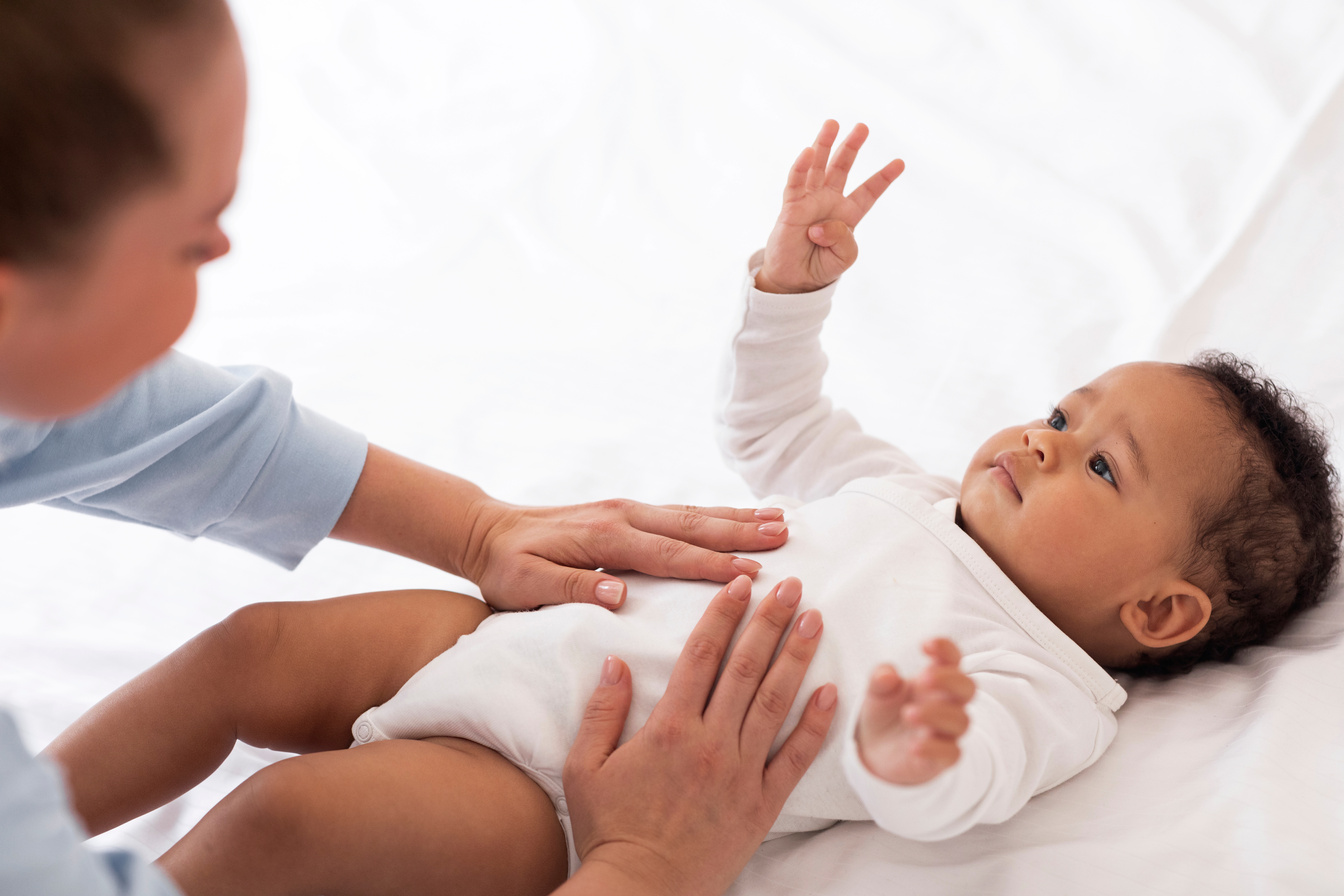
[(506, 239)]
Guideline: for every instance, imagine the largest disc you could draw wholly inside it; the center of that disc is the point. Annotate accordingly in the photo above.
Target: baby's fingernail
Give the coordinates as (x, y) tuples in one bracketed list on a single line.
[(610, 591), (816, 232), (771, 529), (743, 565), (826, 695), (885, 681), (769, 513), (790, 590), (809, 624), (611, 671), (740, 587)]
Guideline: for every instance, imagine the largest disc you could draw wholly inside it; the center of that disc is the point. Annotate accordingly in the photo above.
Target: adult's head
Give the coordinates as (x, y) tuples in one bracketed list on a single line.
[(121, 127)]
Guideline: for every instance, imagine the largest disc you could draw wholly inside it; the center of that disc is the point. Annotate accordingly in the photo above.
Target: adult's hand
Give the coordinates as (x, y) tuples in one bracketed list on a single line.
[(523, 557), (681, 807)]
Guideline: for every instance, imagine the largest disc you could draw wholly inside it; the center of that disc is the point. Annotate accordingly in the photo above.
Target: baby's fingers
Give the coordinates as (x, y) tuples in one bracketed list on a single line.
[(844, 157), (797, 182), (872, 189), (942, 718), (934, 754), (821, 153), (942, 651), (944, 683), (887, 694)]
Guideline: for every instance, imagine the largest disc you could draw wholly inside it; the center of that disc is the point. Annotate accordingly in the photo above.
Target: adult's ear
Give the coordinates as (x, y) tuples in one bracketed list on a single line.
[(1174, 615)]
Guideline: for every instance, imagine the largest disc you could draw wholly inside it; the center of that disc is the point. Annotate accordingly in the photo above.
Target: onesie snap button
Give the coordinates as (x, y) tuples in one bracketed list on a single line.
[(562, 805), (363, 732)]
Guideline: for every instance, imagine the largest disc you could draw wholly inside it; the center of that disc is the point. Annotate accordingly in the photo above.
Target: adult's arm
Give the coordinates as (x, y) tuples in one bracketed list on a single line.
[(681, 807), (522, 557), (228, 454), (195, 449), (41, 848)]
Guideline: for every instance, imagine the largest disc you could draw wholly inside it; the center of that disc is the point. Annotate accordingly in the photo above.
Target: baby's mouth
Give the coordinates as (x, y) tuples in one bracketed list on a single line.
[(1002, 471)]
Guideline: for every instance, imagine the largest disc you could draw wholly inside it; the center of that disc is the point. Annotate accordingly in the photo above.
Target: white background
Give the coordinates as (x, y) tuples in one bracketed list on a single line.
[(506, 238)]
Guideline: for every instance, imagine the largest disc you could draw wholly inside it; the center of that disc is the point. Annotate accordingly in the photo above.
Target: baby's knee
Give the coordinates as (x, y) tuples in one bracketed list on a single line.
[(277, 811), (248, 636)]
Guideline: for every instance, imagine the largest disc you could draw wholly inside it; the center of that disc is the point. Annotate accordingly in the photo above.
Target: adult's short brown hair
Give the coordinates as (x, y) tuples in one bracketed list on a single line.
[(75, 134)]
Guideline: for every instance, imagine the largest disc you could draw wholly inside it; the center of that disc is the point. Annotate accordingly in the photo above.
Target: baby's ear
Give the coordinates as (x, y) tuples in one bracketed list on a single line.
[(1172, 616)]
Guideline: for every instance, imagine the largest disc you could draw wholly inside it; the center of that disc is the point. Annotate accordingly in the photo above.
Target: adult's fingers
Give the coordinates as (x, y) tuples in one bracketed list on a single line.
[(774, 698), (547, 583), (743, 675), (696, 668), (603, 721), (803, 744), (713, 528)]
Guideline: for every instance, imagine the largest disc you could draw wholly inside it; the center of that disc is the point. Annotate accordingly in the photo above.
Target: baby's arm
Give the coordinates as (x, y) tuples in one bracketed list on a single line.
[(775, 426), (908, 730), (1028, 727)]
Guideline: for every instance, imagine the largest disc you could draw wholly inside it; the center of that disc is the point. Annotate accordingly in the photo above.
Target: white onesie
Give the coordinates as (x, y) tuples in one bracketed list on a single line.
[(880, 556)]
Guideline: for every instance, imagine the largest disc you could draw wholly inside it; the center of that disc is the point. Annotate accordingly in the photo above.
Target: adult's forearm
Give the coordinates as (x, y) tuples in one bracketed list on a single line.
[(413, 510)]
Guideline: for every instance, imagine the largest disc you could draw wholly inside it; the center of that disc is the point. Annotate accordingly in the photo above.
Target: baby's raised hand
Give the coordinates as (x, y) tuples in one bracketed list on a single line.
[(908, 730), (813, 240)]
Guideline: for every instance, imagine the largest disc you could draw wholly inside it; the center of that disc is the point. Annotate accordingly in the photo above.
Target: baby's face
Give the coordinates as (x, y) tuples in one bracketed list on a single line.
[(1092, 507)]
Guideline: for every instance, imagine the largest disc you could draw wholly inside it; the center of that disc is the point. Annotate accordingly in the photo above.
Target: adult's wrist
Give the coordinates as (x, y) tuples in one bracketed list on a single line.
[(627, 869), (485, 519)]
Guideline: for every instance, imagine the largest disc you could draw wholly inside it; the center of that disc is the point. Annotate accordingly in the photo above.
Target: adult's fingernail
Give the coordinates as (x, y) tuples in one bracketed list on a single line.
[(809, 624), (771, 529), (789, 591), (740, 587), (743, 565), (610, 591), (611, 671), (769, 513), (826, 695)]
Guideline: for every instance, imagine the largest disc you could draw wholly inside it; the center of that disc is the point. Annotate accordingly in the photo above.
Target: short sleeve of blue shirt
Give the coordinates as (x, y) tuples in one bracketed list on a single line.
[(224, 453)]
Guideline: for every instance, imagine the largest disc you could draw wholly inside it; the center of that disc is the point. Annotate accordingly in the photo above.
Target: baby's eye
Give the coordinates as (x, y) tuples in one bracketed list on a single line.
[(1102, 468), (1056, 420)]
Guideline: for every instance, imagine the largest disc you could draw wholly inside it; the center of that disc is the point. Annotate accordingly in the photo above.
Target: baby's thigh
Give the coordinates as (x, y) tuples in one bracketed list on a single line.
[(399, 816), (301, 672)]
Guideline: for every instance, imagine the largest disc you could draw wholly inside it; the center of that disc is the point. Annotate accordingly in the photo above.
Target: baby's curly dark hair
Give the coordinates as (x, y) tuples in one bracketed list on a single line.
[(1268, 549)]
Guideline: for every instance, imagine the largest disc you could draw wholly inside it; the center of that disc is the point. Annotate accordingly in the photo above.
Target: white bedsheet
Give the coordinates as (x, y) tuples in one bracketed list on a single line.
[(505, 237)]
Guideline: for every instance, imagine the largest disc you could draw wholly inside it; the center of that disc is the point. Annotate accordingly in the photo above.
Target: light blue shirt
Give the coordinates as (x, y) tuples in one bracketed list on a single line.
[(187, 447)]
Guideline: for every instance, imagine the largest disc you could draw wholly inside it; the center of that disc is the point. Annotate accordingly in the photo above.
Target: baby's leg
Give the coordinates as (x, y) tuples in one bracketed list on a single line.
[(288, 676), (399, 817)]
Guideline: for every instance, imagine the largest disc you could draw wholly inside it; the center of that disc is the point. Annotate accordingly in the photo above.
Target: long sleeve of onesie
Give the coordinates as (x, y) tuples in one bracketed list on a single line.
[(775, 427), (198, 450), (1031, 726)]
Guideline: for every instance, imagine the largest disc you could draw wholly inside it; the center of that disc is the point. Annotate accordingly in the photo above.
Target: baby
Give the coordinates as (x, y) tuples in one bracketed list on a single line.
[(1159, 516)]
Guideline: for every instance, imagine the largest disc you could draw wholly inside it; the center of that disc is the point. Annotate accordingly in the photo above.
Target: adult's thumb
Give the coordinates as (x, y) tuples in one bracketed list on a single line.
[(603, 720)]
